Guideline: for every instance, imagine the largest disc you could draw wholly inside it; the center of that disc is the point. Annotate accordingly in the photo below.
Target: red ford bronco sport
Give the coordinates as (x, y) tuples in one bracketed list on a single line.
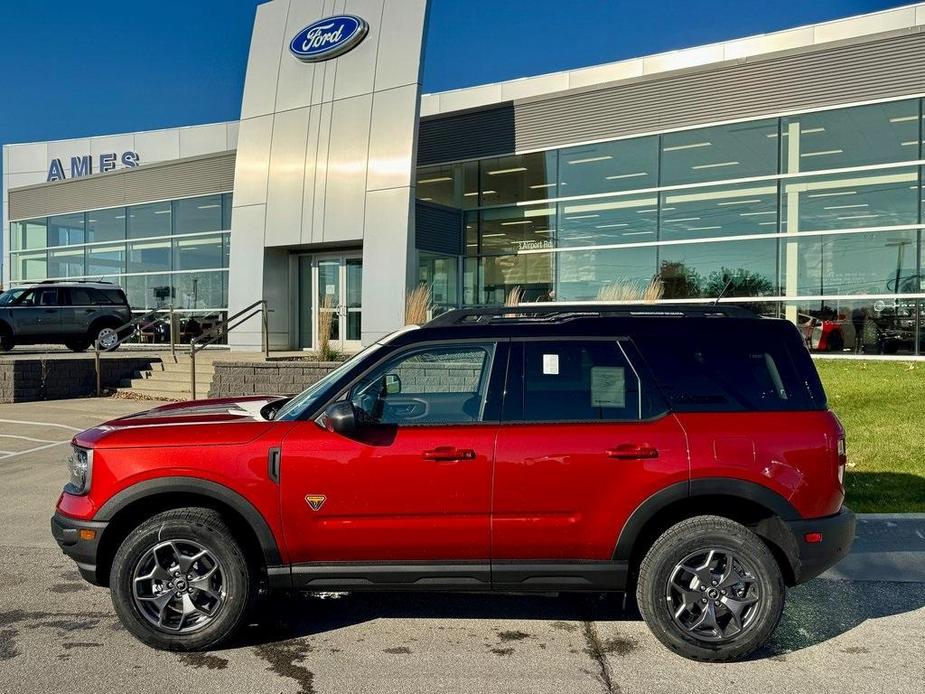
[(686, 453)]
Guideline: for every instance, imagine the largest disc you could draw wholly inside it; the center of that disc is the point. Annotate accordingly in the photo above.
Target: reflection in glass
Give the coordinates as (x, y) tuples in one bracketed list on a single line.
[(518, 178), (29, 266), (194, 215), (66, 262), (881, 326), (587, 275), (149, 220), (66, 229), (729, 151), (149, 256), (695, 213), (862, 263), (511, 229), (856, 136), (625, 219), (851, 201), (608, 167), (453, 185), (198, 253), (728, 268), (531, 273), (106, 225), (105, 260)]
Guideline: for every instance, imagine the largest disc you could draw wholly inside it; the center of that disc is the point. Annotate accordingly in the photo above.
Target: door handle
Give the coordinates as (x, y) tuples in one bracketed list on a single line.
[(273, 458), (449, 453), (632, 451)]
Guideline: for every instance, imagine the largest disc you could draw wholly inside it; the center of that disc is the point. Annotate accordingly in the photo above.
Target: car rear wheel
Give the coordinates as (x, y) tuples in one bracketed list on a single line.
[(709, 589), (107, 338), (181, 582)]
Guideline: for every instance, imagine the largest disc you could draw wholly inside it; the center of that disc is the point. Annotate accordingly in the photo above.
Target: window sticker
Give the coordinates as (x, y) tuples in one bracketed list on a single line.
[(550, 364), (608, 386)]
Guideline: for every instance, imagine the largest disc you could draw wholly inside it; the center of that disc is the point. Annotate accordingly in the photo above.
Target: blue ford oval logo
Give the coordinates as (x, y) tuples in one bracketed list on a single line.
[(328, 38)]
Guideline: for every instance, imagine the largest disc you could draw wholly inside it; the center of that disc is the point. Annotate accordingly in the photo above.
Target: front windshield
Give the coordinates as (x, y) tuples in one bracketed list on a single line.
[(306, 399), (8, 297)]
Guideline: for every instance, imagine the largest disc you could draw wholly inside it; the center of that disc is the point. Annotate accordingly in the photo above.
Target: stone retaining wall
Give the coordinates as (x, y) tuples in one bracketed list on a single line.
[(233, 378), (25, 380)]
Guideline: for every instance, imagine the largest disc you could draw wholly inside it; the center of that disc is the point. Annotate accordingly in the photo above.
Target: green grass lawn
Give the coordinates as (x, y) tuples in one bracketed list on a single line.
[(882, 406)]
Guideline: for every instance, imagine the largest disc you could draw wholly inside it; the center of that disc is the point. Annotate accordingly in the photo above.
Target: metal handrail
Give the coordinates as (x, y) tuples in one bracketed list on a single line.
[(135, 324), (222, 328)]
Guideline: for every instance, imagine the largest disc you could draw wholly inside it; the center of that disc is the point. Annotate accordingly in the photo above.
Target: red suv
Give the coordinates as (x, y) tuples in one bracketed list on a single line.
[(684, 453)]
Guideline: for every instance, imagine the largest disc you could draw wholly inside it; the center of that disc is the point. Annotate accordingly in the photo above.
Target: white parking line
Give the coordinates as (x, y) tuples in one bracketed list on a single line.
[(25, 438), (31, 450), (41, 424)]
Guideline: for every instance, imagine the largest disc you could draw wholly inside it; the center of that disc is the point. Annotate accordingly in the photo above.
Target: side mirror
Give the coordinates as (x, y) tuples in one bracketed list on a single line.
[(341, 417), (392, 384)]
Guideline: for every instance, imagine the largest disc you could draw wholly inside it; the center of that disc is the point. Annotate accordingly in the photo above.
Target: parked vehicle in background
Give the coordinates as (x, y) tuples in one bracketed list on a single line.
[(685, 454), (73, 313)]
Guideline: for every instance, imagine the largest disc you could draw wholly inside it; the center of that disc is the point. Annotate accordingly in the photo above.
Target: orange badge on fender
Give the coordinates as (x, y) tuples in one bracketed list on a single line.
[(316, 501)]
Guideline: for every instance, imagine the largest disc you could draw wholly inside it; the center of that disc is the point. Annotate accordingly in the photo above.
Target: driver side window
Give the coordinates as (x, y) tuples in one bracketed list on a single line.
[(434, 385)]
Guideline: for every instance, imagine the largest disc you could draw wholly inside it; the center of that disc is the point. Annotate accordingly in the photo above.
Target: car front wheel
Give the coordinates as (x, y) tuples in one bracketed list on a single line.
[(709, 589), (181, 582)]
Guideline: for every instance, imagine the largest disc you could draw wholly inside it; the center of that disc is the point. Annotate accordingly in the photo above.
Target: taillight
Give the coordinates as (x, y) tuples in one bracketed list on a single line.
[(842, 458)]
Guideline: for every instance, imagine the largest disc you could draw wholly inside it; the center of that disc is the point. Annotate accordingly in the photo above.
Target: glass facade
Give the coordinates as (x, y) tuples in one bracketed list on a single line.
[(815, 217), (164, 253)]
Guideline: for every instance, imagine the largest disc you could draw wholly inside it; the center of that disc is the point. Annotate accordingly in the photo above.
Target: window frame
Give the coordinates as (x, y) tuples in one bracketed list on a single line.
[(515, 387), (494, 392)]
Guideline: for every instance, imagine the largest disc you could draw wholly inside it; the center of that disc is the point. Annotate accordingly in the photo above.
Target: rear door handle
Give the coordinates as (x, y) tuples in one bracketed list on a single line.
[(449, 453), (632, 451)]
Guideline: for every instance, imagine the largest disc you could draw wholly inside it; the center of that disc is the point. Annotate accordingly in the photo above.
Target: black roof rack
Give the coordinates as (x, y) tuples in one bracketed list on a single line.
[(73, 282), (552, 313)]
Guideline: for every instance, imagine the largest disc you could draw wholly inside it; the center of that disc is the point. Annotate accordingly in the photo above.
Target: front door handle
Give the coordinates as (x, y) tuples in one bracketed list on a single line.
[(449, 453), (273, 458), (632, 451)]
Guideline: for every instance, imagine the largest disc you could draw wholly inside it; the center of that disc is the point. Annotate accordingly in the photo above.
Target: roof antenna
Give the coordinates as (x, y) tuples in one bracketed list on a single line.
[(728, 284)]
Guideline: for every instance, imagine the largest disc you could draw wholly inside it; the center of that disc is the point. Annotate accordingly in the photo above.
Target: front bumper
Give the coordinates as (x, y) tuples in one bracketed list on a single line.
[(66, 532), (815, 557)]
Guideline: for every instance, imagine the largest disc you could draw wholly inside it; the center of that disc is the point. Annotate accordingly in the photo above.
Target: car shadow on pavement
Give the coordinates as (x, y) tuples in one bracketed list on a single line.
[(815, 612), (307, 614), (824, 609)]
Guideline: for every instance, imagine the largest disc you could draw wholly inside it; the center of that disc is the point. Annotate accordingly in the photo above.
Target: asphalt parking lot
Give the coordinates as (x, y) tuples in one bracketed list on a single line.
[(851, 630)]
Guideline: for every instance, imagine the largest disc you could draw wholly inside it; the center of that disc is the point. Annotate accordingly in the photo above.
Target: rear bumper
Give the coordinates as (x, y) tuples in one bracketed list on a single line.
[(813, 558), (66, 532)]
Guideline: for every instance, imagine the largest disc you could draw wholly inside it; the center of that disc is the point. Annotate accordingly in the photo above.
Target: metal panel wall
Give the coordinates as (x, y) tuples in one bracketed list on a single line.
[(483, 133), (439, 229), (326, 152), (212, 173)]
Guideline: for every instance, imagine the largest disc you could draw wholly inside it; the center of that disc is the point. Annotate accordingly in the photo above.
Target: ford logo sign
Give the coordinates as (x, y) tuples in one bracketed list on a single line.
[(328, 38)]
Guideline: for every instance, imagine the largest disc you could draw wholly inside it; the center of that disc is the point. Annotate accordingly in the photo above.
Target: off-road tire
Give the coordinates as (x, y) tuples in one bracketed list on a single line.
[(694, 535), (207, 528)]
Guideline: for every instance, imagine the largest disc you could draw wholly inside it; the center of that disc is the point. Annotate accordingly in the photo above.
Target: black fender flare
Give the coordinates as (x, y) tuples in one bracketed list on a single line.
[(701, 486), (201, 487)]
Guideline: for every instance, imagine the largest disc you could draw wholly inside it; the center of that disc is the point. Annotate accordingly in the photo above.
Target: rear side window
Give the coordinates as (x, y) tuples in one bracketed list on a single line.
[(726, 371), (583, 381), (112, 296), (80, 296)]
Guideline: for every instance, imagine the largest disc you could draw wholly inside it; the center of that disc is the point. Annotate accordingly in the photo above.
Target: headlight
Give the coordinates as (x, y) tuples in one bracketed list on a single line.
[(80, 469)]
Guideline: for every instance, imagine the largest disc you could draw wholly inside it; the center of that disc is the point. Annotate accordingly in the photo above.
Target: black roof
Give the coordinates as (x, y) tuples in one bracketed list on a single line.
[(557, 313), (577, 320)]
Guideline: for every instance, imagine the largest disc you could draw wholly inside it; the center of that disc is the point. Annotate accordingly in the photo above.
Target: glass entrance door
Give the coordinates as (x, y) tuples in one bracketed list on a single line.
[(330, 300)]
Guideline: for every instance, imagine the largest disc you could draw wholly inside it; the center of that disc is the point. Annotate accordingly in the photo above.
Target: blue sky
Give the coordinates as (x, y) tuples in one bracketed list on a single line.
[(71, 69)]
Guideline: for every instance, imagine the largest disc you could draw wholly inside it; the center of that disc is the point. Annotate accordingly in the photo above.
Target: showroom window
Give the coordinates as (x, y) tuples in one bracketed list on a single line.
[(737, 150), (195, 215), (856, 136), (518, 178), (66, 229), (106, 225), (608, 167), (149, 220)]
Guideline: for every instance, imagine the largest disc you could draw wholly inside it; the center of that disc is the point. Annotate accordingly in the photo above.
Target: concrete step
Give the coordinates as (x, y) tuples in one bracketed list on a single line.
[(168, 367), (172, 377), (151, 384)]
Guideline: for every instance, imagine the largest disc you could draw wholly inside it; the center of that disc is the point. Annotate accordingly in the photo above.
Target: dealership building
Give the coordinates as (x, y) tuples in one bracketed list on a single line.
[(781, 171)]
